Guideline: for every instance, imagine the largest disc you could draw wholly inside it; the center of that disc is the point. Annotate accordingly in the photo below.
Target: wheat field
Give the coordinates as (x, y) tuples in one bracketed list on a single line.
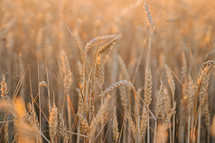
[(103, 71)]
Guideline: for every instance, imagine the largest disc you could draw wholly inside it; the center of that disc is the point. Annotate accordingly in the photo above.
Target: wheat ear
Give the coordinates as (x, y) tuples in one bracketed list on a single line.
[(159, 107), (99, 71), (62, 129), (190, 95), (116, 85), (123, 68), (53, 124), (148, 98), (115, 127), (132, 125), (102, 114), (101, 38), (172, 87), (67, 82), (202, 88)]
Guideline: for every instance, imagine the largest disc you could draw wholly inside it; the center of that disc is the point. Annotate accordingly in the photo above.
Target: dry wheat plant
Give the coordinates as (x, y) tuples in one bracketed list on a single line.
[(103, 71)]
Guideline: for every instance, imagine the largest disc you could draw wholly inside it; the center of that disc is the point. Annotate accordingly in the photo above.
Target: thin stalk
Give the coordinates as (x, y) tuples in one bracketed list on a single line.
[(38, 69), (40, 109), (149, 49), (138, 119), (173, 134), (47, 76), (102, 123), (129, 110), (188, 137), (199, 126), (192, 120), (138, 123), (86, 86), (84, 78), (69, 113), (78, 134), (170, 132), (148, 130), (127, 131), (155, 131), (208, 138), (124, 130)]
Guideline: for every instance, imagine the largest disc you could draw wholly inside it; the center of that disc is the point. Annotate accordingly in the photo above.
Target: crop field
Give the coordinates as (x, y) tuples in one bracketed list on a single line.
[(103, 71)]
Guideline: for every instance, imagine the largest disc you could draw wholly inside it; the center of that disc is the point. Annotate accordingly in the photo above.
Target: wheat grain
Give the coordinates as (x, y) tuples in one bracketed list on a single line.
[(6, 133), (131, 125), (148, 14), (170, 80), (160, 101), (66, 71), (143, 123), (123, 68), (3, 89), (62, 129), (102, 114), (53, 123), (101, 38), (202, 85), (124, 97), (99, 73), (190, 93), (148, 88), (115, 127), (106, 47), (115, 85), (31, 115), (84, 124)]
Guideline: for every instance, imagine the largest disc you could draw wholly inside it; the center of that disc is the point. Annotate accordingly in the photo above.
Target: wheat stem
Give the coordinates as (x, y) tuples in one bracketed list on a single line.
[(188, 136), (199, 126), (155, 131)]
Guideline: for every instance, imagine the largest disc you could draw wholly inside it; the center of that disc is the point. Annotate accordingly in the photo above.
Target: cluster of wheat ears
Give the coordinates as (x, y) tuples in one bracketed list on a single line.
[(146, 77)]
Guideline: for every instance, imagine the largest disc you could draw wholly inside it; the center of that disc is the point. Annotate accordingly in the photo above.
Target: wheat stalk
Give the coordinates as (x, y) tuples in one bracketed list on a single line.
[(160, 100), (172, 87), (202, 88), (115, 127), (183, 67), (3, 89), (159, 107), (102, 114), (31, 115), (99, 71), (132, 125), (67, 82), (6, 133), (148, 15), (84, 124), (116, 85), (106, 47), (190, 95), (101, 38), (123, 68), (62, 129), (148, 88), (148, 97), (170, 80), (144, 123), (53, 124), (206, 113)]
